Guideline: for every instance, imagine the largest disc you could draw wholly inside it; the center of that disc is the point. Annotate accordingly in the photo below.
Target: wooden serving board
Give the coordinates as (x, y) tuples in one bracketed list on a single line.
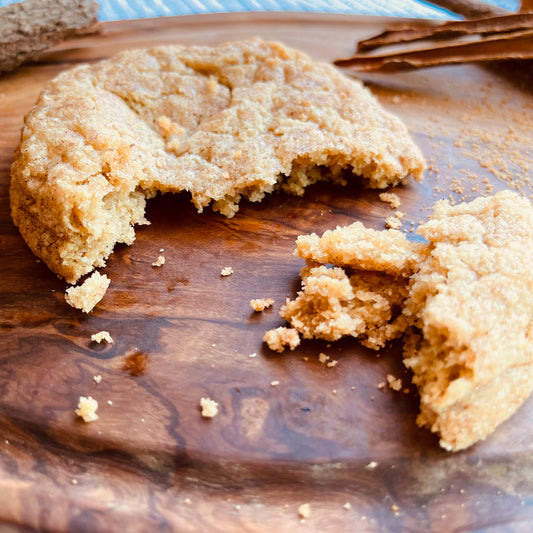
[(327, 436)]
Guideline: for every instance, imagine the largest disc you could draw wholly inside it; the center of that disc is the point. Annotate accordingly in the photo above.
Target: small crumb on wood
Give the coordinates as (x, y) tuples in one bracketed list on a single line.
[(304, 511), (87, 407), (274, 383), (226, 271), (391, 198), (323, 358), (331, 364), (97, 378), (209, 407), (347, 505), (381, 385), (278, 338), (102, 336), (393, 222), (394, 382), (160, 261), (260, 304), (89, 293), (371, 465)]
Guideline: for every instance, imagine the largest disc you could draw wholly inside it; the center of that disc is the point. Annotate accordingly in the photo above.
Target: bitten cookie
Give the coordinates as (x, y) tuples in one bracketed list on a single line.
[(222, 123)]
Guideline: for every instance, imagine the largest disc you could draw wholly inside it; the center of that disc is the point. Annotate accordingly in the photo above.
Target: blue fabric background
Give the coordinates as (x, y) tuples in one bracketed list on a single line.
[(131, 9)]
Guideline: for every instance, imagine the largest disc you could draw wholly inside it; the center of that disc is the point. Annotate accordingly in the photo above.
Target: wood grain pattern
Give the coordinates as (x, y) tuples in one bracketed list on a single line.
[(183, 332)]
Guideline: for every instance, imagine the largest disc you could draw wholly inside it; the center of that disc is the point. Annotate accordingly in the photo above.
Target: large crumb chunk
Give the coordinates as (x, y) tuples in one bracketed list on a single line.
[(209, 407), (333, 304), (89, 293), (277, 339), (87, 407), (463, 301), (362, 248), (224, 123)]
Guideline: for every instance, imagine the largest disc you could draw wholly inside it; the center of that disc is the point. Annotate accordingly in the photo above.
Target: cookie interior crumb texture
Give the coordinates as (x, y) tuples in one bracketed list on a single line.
[(209, 407), (87, 407), (462, 302), (89, 293), (222, 123)]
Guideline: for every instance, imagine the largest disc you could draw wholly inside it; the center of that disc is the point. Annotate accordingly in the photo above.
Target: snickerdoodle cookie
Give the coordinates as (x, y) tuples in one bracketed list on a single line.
[(222, 123)]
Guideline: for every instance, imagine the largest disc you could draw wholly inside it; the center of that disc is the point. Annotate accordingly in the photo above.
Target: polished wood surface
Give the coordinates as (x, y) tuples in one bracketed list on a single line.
[(324, 436)]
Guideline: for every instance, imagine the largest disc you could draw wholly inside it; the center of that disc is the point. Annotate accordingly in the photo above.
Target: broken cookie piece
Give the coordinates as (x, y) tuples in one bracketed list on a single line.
[(463, 301), (471, 306), (222, 123), (89, 293)]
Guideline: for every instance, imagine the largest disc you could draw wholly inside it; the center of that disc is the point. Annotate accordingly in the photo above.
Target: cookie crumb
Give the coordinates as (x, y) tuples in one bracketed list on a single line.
[(260, 304), (347, 505), (391, 198), (331, 364), (394, 382), (89, 293), (278, 338), (371, 465), (97, 378), (381, 385), (274, 383), (160, 261), (102, 336), (209, 407), (304, 511), (87, 407), (226, 271), (393, 222)]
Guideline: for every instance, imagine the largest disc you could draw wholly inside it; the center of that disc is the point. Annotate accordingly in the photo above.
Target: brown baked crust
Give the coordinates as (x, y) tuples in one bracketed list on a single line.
[(222, 123)]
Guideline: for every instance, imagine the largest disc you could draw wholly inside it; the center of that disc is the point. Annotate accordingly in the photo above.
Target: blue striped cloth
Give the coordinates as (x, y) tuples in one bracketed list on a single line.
[(132, 9)]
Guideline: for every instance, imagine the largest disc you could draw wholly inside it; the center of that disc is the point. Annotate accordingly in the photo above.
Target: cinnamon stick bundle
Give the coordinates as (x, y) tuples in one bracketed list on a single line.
[(30, 27), (499, 37)]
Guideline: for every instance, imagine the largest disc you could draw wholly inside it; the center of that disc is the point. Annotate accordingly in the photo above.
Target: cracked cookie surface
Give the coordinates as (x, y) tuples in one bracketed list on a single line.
[(222, 123)]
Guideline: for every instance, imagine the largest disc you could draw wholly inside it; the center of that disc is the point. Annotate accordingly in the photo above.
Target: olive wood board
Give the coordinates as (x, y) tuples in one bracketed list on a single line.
[(327, 436)]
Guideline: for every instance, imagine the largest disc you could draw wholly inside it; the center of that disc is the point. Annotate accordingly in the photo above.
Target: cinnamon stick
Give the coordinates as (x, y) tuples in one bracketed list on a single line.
[(30, 27), (515, 45), (485, 26)]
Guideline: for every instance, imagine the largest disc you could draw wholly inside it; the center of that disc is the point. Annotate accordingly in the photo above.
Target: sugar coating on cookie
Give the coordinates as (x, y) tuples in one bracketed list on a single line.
[(464, 304), (222, 123)]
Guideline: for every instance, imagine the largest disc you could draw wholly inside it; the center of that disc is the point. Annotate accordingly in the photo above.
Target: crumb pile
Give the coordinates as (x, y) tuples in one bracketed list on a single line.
[(463, 302), (223, 123)]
